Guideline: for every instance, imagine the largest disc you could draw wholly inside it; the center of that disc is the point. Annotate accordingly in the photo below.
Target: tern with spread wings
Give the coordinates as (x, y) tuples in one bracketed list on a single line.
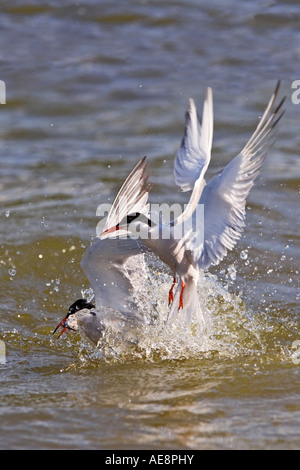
[(112, 265), (223, 199)]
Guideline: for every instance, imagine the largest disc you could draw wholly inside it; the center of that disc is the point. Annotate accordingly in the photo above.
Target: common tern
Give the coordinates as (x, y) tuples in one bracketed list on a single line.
[(223, 199), (117, 273), (80, 304), (114, 264)]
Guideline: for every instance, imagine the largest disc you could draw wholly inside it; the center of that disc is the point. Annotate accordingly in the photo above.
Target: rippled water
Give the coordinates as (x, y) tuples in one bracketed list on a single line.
[(90, 89)]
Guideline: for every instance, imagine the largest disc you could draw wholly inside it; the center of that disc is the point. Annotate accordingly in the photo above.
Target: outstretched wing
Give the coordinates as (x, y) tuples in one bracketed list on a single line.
[(106, 264), (224, 197), (132, 197), (193, 157)]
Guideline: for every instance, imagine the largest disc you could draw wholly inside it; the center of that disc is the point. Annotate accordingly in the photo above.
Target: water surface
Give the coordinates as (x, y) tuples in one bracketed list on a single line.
[(90, 90)]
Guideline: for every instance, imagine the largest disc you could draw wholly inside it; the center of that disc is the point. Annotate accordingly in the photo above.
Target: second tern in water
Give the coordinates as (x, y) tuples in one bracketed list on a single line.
[(112, 265), (117, 273)]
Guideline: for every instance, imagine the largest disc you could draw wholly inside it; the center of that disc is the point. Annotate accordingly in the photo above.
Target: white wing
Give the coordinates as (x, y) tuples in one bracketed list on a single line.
[(132, 197), (193, 157), (190, 165), (224, 197), (110, 266)]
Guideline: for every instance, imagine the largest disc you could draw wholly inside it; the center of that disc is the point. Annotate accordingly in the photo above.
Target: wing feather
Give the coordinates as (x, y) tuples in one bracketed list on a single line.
[(193, 157), (224, 197), (132, 197)]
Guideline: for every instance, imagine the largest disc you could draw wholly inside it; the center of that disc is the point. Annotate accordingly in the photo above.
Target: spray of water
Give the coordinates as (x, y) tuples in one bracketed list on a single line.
[(230, 328)]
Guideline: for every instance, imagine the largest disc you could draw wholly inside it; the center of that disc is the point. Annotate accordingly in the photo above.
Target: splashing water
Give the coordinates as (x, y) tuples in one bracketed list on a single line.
[(230, 328)]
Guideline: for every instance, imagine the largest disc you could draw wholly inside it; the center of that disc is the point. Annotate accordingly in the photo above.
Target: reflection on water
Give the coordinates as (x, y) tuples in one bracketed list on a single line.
[(91, 89)]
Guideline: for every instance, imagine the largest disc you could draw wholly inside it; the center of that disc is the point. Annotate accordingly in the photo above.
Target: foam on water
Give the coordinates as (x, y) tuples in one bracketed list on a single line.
[(230, 330)]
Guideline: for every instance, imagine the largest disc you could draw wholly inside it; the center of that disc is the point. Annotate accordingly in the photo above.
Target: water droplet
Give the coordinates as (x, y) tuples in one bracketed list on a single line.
[(232, 273), (12, 272), (7, 213), (244, 254), (283, 258)]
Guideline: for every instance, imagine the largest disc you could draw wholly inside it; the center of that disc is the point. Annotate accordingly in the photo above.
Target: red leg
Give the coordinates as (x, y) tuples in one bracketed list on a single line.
[(171, 298), (181, 295)]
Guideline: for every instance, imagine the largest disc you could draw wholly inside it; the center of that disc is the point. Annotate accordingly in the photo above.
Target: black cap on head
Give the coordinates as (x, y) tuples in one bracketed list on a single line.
[(79, 305)]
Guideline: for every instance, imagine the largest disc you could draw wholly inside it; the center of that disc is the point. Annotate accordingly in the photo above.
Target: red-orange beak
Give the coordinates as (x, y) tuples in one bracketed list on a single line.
[(111, 230), (62, 324), (75, 307)]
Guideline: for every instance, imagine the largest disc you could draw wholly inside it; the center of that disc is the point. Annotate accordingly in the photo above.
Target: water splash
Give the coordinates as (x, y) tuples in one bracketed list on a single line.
[(231, 329)]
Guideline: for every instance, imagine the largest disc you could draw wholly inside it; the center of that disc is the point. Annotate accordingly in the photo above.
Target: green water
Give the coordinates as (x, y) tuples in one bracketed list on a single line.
[(90, 90)]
